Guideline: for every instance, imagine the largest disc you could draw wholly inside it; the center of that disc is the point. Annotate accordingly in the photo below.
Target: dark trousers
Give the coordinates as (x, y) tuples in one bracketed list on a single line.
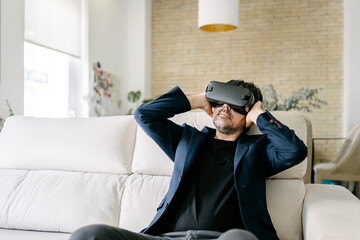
[(105, 232)]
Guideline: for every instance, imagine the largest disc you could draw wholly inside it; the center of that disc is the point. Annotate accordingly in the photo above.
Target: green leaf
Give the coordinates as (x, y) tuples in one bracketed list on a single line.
[(304, 99), (11, 113)]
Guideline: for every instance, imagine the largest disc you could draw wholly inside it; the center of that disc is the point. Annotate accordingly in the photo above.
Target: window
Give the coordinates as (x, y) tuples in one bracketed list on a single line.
[(46, 92), (56, 67), (53, 66)]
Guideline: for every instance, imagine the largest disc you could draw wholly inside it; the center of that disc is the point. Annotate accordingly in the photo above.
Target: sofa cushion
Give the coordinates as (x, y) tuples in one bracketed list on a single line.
[(330, 212), (158, 164), (59, 201), (161, 165), (31, 235), (89, 145), (142, 195), (284, 201)]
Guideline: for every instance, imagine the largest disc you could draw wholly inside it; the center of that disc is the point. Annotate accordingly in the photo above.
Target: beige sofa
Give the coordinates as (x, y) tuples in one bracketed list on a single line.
[(57, 175)]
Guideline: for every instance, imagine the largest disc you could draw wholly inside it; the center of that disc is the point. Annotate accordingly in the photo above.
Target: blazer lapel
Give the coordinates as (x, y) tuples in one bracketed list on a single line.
[(242, 147), (195, 142)]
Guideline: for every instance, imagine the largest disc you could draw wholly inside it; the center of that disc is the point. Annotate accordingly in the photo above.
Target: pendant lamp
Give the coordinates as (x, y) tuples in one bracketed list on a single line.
[(218, 15)]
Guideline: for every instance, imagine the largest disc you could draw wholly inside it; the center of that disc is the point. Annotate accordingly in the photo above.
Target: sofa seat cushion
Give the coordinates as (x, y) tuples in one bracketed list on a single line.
[(142, 195), (31, 235), (58, 201)]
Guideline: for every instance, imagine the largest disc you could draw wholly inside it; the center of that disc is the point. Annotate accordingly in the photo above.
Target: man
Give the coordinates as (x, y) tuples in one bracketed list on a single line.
[(217, 189)]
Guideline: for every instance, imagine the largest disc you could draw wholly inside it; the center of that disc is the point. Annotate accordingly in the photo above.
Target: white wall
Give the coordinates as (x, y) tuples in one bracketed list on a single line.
[(12, 52), (139, 46), (107, 37), (120, 39), (351, 64)]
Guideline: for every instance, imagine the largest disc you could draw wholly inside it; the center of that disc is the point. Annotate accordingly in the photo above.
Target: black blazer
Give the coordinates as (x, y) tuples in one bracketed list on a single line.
[(257, 157)]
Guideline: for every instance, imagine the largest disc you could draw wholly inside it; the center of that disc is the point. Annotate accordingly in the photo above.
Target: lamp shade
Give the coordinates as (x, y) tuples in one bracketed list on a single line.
[(218, 15)]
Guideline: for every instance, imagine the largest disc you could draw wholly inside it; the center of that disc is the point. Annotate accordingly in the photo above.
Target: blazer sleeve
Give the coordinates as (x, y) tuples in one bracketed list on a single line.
[(153, 118), (285, 149)]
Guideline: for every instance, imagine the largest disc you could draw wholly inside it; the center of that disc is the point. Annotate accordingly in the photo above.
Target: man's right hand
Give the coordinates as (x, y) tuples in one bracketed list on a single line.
[(200, 101)]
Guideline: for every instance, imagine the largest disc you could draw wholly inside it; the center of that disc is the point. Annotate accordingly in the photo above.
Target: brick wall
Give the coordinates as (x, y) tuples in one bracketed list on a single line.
[(290, 44)]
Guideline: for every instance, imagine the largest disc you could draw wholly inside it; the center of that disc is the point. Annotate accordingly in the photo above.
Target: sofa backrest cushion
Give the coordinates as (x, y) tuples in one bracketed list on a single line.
[(160, 164), (102, 145)]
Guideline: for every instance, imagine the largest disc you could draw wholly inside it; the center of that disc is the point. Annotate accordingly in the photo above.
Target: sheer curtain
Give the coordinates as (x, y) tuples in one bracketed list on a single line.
[(53, 57)]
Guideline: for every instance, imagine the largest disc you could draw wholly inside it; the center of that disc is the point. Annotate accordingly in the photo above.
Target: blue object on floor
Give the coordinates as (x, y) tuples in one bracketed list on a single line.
[(331, 182)]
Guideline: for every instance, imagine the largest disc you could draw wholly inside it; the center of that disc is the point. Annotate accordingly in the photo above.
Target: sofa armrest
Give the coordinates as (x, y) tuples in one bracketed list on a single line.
[(330, 212)]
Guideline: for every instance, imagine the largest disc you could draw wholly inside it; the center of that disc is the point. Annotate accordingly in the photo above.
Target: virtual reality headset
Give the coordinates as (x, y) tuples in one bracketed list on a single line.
[(230, 93)]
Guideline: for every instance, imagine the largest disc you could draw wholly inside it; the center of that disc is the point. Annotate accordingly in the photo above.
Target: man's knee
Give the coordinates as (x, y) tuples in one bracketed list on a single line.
[(237, 234), (90, 232)]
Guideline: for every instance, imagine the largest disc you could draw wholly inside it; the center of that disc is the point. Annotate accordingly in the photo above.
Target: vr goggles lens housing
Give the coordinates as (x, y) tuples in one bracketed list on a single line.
[(234, 108), (232, 94)]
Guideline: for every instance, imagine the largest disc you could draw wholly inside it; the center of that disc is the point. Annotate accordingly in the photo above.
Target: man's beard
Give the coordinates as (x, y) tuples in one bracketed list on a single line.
[(226, 129)]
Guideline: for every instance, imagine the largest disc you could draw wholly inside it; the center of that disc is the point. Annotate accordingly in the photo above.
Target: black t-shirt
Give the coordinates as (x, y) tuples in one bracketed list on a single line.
[(207, 200)]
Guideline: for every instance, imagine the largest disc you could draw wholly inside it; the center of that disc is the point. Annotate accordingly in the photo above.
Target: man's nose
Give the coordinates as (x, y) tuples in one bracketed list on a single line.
[(226, 106)]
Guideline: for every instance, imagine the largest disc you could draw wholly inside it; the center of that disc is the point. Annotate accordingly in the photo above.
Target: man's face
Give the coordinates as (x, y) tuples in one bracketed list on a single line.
[(226, 120)]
